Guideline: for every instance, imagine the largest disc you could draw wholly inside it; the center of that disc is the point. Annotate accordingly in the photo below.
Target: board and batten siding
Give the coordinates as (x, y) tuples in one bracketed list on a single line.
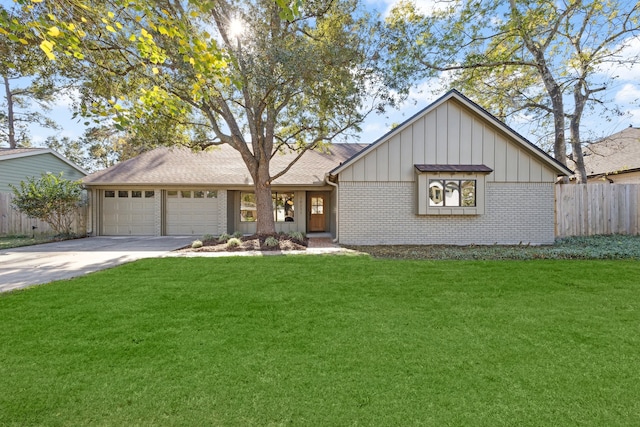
[(14, 170), (449, 134)]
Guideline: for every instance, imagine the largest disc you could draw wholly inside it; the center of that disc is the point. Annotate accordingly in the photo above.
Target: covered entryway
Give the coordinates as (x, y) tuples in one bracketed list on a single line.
[(318, 214), (191, 213), (128, 212)]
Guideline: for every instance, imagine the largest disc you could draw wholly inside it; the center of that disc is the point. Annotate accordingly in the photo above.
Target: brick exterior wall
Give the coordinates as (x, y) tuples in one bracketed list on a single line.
[(373, 213)]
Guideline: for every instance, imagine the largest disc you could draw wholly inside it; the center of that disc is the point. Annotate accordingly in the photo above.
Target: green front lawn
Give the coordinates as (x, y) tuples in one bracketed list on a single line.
[(337, 340)]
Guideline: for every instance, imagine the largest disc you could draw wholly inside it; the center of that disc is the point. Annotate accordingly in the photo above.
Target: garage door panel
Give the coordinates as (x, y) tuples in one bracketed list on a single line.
[(189, 215), (124, 215)]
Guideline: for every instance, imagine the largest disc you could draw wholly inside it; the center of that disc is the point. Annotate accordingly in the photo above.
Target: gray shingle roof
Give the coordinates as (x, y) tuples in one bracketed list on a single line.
[(617, 153), (220, 166)]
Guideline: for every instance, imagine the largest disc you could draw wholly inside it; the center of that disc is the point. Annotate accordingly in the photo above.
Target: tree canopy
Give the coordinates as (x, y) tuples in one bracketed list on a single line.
[(259, 75), (541, 59)]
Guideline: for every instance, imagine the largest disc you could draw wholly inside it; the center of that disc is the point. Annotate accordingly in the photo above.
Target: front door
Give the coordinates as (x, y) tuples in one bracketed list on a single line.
[(317, 212)]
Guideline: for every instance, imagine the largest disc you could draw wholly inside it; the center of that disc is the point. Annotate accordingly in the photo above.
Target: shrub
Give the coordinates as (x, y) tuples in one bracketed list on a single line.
[(297, 235), (207, 237), (50, 198), (196, 244), (234, 242), (237, 234), (271, 242), (223, 238)]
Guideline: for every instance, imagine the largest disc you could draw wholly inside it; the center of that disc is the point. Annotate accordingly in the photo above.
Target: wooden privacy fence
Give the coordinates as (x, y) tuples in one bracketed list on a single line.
[(14, 222), (588, 209)]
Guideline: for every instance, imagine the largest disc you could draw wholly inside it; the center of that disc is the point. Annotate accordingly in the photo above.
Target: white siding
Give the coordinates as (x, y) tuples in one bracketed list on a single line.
[(382, 163)]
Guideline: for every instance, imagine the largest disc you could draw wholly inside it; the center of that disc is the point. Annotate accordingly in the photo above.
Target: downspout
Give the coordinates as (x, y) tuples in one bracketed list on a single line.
[(333, 184)]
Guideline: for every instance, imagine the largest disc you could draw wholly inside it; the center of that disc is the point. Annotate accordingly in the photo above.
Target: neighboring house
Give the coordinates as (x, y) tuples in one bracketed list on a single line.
[(18, 164), (614, 159), (451, 174)]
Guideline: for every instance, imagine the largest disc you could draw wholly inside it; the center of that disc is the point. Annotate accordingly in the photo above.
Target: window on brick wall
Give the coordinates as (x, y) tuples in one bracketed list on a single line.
[(283, 207), (451, 189), (452, 192)]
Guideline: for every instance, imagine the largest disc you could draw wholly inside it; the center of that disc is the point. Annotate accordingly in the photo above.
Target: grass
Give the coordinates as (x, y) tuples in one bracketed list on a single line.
[(15, 241), (343, 340)]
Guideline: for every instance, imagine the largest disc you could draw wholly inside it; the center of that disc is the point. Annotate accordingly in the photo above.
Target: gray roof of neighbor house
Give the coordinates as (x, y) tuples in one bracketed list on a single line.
[(221, 165), (614, 154)]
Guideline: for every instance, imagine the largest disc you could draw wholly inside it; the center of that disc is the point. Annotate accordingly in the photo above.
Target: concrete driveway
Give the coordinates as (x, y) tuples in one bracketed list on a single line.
[(32, 265)]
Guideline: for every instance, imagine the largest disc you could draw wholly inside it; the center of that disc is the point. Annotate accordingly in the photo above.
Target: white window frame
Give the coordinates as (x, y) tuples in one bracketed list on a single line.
[(424, 208)]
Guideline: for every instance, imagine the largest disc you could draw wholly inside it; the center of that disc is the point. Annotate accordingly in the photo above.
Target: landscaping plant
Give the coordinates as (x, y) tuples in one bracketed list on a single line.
[(50, 198)]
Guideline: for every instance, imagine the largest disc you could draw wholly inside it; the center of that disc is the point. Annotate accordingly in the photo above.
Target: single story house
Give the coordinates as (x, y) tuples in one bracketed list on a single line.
[(175, 191), (614, 159), (451, 174), (18, 164)]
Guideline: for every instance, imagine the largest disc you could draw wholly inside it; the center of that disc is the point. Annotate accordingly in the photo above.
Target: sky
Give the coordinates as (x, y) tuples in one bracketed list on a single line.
[(625, 92)]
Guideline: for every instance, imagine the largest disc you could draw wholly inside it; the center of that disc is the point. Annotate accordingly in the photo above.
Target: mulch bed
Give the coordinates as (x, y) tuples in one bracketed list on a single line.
[(254, 242)]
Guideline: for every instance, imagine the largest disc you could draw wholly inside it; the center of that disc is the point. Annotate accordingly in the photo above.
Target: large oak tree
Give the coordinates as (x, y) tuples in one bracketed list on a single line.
[(258, 75)]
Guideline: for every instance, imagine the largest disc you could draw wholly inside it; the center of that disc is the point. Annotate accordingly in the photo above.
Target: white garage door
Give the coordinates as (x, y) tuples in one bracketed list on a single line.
[(192, 213), (128, 212)]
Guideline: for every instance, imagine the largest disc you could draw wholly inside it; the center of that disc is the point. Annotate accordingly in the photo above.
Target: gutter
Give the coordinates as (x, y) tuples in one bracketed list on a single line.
[(333, 184)]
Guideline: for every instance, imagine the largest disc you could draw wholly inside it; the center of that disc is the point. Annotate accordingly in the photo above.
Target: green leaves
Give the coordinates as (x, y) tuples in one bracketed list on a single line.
[(289, 9), (50, 198)]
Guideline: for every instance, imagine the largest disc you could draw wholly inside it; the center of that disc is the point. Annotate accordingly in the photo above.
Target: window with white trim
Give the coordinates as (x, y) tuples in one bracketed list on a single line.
[(451, 189)]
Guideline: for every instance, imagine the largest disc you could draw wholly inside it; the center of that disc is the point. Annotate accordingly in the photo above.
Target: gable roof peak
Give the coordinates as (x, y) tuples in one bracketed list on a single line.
[(462, 99)]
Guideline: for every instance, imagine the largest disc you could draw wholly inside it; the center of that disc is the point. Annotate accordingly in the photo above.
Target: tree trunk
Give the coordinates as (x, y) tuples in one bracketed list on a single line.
[(10, 115), (559, 146), (557, 106), (552, 87), (576, 143), (264, 204)]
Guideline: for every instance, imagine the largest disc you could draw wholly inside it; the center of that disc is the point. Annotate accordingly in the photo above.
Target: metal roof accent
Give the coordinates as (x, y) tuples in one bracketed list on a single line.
[(454, 168)]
